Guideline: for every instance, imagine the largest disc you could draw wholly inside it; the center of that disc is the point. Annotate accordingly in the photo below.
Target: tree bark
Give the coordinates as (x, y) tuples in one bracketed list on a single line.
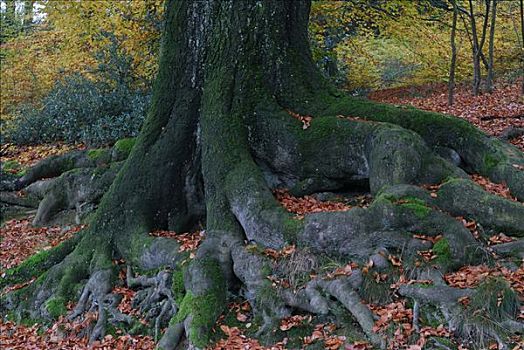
[(522, 38), (477, 45), (451, 83), (489, 78), (221, 133)]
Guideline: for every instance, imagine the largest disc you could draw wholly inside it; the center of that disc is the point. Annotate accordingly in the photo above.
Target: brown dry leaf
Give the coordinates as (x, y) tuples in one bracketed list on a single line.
[(427, 255), (30, 155), (500, 238), (305, 119), (395, 260), (359, 345), (490, 112), (464, 301), (471, 276), (334, 342), (19, 240), (276, 254), (241, 317), (346, 270), (189, 241), (293, 321), (307, 204), (498, 189), (432, 239), (275, 281)]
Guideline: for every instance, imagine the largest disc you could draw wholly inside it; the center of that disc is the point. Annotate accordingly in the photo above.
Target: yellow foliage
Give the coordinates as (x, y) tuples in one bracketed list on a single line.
[(67, 40), (394, 42)]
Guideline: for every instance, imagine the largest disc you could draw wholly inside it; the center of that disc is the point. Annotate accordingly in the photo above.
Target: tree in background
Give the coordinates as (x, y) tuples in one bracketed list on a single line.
[(227, 124), (521, 6), (452, 67), (66, 40), (490, 75), (398, 43)]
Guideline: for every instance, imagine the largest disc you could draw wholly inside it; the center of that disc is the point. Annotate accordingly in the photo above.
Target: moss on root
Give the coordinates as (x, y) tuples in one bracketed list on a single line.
[(125, 145), (443, 251), (416, 205), (98, 154), (13, 167), (38, 263), (177, 287), (203, 309), (56, 307)]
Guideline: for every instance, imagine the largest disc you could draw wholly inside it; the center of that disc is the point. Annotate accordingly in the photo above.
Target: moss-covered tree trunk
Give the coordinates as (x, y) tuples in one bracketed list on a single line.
[(220, 136)]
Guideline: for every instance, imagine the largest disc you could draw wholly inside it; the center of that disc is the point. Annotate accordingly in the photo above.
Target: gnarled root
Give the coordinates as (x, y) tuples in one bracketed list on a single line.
[(156, 300)]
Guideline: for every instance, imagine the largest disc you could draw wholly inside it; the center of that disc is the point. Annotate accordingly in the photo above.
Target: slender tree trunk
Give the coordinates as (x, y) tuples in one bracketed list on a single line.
[(489, 79), (28, 15), (475, 50), (451, 83), (522, 41)]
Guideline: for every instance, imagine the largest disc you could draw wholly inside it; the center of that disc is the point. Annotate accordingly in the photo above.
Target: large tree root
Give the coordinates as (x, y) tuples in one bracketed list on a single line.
[(220, 139), (248, 208), (67, 188)]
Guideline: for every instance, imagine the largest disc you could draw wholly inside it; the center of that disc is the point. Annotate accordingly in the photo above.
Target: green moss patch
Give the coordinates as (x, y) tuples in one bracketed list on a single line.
[(178, 286), (56, 307), (29, 268), (125, 145), (416, 205), (205, 308), (13, 167), (98, 154), (443, 251)]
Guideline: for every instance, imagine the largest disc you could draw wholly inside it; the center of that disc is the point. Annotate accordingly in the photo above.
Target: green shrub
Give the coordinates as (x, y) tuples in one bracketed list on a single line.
[(94, 111)]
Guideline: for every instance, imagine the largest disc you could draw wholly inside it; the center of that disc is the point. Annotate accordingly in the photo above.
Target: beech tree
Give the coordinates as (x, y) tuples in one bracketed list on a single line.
[(220, 136)]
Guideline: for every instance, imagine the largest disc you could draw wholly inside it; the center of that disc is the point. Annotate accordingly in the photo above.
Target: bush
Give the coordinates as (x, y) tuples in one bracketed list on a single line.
[(92, 111)]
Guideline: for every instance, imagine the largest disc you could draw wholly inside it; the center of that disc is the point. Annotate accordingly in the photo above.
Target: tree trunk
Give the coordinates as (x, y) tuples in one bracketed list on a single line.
[(27, 15), (221, 133), (489, 78), (451, 83), (522, 40), (476, 50)]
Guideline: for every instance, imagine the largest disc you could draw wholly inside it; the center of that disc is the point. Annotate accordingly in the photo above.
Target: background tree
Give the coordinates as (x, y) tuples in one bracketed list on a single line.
[(451, 83), (227, 124), (522, 35), (489, 78)]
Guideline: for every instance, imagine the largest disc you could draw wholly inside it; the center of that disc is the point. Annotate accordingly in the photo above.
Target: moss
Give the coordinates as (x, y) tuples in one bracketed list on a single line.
[(416, 205), (266, 270), (443, 251), (56, 307), (14, 168), (204, 308), (296, 335), (496, 299), (292, 226), (125, 145), (421, 211), (378, 292), (67, 288), (96, 154), (444, 341), (178, 287), (490, 162), (31, 267)]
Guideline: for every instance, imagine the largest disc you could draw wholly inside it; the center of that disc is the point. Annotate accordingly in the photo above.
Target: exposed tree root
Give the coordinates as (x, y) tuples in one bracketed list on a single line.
[(400, 210), (219, 140), (66, 188)]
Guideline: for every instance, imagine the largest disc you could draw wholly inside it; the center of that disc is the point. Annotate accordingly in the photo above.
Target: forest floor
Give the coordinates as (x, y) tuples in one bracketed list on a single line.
[(491, 112)]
